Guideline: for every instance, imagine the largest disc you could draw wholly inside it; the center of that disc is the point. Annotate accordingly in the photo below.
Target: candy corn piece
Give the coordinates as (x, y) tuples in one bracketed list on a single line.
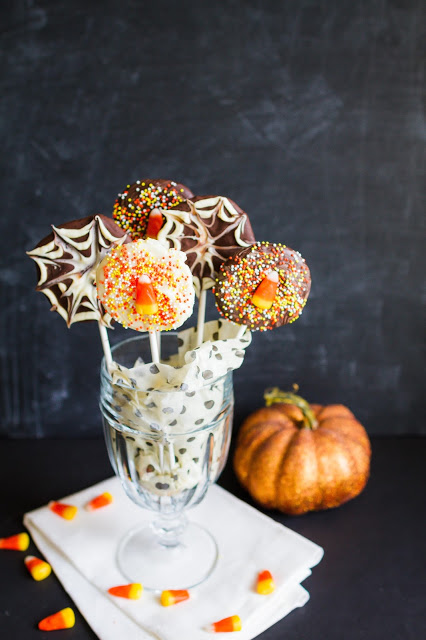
[(265, 583), (103, 500), (146, 300), (39, 569), (66, 511), (129, 591), (174, 596), (233, 623), (264, 295), (19, 542), (155, 222), (64, 619)]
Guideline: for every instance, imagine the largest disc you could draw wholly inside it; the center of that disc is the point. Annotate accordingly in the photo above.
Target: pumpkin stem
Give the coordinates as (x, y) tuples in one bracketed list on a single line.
[(275, 395)]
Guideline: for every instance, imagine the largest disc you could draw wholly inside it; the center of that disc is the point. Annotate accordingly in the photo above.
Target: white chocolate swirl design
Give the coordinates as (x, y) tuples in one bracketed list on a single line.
[(209, 229), (67, 260)]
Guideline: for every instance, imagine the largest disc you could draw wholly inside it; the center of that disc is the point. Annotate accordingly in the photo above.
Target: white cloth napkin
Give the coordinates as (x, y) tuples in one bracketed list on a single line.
[(82, 554)]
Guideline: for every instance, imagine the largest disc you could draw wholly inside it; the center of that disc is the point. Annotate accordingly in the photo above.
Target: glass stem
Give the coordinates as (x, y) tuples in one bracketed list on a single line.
[(168, 528)]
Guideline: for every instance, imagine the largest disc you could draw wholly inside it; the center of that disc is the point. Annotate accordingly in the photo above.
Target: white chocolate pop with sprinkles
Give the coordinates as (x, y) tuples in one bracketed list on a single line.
[(145, 286)]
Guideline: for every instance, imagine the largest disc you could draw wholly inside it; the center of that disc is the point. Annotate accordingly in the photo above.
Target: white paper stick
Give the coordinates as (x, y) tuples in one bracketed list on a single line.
[(159, 344), (161, 456), (241, 331), (105, 345), (153, 343), (201, 316)]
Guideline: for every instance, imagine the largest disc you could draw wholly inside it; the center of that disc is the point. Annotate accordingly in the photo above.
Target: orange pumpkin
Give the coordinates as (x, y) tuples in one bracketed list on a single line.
[(297, 457)]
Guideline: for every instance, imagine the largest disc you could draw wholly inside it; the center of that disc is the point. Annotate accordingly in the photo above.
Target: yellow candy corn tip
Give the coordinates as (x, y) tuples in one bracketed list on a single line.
[(135, 591), (167, 599), (261, 303), (68, 617), (39, 569), (146, 309), (265, 587), (24, 541)]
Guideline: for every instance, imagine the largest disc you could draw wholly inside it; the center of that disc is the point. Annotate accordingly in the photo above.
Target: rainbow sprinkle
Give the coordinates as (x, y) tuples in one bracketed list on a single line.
[(240, 276)]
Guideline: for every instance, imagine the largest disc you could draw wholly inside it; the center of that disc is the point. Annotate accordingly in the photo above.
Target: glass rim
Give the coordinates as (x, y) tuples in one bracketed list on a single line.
[(105, 373)]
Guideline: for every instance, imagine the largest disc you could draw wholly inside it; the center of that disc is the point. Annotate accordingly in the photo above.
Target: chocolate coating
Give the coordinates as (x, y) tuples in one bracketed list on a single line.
[(133, 206), (240, 276), (67, 260), (209, 229)]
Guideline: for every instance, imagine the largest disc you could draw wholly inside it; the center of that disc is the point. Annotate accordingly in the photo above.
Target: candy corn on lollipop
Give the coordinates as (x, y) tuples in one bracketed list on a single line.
[(263, 287), (18, 542), (233, 623), (265, 583), (103, 500), (265, 293), (66, 511), (130, 591), (64, 619), (174, 596), (155, 222), (39, 569), (145, 286), (138, 201)]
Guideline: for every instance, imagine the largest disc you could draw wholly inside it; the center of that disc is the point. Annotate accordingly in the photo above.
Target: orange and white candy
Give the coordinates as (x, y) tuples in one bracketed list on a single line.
[(265, 583), (264, 296), (155, 222), (145, 286), (102, 500), (39, 569), (173, 596), (65, 511), (18, 542), (64, 619), (226, 625), (131, 591)]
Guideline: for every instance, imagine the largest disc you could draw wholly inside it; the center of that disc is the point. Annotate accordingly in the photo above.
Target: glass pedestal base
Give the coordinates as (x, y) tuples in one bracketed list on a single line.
[(142, 558)]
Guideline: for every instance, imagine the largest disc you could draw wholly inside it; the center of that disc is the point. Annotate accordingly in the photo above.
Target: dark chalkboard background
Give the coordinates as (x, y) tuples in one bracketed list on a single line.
[(308, 114)]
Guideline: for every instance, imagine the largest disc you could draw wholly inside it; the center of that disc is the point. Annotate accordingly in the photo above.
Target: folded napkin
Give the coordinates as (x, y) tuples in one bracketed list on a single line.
[(82, 554)]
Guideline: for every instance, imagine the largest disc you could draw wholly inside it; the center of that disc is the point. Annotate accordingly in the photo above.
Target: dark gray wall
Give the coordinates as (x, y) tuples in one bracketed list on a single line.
[(309, 114)]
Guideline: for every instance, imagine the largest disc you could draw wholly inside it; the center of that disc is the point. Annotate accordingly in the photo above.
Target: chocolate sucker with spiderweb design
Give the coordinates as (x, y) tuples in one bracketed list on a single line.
[(67, 260), (209, 230)]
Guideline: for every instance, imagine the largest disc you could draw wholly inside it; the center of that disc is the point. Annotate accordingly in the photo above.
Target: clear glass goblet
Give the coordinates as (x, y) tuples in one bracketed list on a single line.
[(166, 468)]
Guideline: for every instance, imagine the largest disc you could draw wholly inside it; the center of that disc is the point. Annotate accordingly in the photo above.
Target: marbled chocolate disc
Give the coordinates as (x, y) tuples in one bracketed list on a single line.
[(240, 276), (133, 206), (67, 260), (209, 229)]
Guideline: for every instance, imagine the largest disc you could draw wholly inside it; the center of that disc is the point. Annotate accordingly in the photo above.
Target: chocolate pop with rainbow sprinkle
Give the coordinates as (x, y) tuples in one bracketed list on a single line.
[(136, 208), (263, 287)]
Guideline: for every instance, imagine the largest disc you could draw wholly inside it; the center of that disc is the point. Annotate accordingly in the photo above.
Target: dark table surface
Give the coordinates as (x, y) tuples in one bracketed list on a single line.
[(370, 584)]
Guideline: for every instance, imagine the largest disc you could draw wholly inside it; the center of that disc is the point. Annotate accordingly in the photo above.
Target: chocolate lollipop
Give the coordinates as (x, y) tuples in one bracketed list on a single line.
[(67, 260), (263, 287), (209, 229), (133, 207)]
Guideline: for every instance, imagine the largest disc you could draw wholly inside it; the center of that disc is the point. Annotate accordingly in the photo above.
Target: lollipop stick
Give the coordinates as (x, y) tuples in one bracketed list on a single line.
[(105, 345), (201, 316), (153, 342), (241, 331)]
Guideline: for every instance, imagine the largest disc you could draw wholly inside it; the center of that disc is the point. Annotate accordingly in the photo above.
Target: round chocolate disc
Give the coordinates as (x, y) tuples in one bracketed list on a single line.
[(240, 276)]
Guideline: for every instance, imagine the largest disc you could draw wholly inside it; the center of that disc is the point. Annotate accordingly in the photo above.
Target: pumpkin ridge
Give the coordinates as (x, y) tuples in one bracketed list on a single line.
[(340, 438), (352, 440), (284, 459), (251, 449), (261, 450)]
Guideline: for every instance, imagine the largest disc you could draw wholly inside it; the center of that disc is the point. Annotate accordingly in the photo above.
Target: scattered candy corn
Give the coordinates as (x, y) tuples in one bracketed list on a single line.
[(174, 596), (264, 295), (130, 591), (146, 300), (155, 222), (64, 619), (102, 500), (39, 569), (19, 542), (66, 511), (265, 583), (233, 623)]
